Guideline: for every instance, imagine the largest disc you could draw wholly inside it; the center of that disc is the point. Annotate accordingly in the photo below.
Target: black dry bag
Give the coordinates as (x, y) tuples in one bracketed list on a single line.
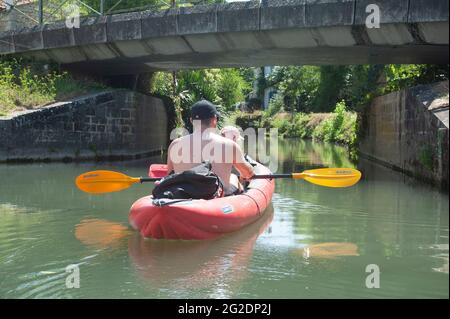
[(197, 183)]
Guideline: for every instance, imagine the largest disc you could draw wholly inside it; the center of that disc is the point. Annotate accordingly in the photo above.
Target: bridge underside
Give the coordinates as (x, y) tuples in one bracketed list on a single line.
[(261, 57)]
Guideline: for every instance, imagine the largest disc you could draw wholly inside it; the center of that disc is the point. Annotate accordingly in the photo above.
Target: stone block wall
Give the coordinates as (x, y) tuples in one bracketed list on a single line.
[(408, 131), (117, 124)]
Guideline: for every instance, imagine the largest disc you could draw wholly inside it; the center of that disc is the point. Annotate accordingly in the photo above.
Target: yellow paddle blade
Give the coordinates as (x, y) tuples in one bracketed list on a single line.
[(330, 177), (98, 182)]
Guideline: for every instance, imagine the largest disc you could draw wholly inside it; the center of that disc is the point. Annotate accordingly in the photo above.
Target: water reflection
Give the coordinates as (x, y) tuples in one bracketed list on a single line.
[(296, 155), (222, 262), (329, 250), (98, 233)]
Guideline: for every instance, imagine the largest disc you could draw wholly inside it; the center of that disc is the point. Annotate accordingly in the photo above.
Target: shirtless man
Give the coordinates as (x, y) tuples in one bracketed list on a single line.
[(204, 144)]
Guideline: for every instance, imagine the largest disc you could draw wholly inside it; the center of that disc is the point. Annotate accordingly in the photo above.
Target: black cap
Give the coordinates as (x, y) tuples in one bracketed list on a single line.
[(203, 110)]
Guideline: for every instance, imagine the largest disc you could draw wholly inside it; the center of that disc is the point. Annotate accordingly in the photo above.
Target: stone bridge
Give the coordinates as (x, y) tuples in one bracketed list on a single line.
[(272, 32)]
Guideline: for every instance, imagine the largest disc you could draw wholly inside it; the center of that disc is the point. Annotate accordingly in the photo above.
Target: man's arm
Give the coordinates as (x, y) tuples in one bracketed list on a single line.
[(244, 168), (169, 159)]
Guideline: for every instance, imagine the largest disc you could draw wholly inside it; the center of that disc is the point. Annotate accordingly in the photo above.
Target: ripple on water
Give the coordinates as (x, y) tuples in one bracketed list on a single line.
[(47, 282), (36, 285), (35, 250)]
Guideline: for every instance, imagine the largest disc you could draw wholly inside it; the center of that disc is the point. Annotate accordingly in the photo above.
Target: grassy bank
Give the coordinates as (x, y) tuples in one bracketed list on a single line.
[(26, 85), (338, 127)]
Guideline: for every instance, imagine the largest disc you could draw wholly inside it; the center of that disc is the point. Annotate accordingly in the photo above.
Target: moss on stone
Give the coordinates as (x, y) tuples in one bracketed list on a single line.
[(426, 157)]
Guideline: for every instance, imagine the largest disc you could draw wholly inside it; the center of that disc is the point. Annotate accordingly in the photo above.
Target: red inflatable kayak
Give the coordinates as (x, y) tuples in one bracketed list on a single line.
[(203, 219)]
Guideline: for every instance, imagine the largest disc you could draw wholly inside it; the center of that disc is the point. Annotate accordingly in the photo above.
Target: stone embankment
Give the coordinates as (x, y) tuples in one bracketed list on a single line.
[(117, 124), (408, 131)]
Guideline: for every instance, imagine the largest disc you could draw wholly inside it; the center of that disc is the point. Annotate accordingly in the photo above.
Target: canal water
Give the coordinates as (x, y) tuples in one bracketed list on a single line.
[(313, 242)]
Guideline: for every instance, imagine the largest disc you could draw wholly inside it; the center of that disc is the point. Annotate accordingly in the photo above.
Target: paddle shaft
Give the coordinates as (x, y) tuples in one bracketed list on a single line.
[(154, 179), (292, 175), (272, 176), (149, 179)]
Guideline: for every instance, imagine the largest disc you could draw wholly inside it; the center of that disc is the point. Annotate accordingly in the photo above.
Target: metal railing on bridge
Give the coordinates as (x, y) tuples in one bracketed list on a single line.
[(16, 14)]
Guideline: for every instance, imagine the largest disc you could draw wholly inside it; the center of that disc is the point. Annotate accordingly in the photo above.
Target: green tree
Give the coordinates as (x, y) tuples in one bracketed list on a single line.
[(232, 87), (399, 76), (224, 87), (362, 85), (261, 84), (248, 75), (332, 81), (298, 85)]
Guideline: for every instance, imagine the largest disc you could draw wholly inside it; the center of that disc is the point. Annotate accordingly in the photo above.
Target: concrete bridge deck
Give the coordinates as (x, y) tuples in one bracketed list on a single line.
[(273, 32)]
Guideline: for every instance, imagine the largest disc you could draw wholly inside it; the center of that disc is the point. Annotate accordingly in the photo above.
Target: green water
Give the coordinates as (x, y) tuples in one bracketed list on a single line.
[(313, 242)]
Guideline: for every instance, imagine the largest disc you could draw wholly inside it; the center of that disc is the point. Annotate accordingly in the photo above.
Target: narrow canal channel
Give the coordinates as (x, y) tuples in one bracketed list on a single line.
[(313, 242)]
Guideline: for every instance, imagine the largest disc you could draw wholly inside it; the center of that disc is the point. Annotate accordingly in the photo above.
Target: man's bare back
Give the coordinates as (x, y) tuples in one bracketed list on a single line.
[(189, 151), (204, 144)]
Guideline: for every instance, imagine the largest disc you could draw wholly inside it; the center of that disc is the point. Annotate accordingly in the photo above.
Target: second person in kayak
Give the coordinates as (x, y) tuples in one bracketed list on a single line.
[(204, 144)]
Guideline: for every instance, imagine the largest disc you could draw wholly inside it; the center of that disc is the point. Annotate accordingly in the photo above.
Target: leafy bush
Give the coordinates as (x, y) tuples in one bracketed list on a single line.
[(248, 120), (298, 127), (340, 127)]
